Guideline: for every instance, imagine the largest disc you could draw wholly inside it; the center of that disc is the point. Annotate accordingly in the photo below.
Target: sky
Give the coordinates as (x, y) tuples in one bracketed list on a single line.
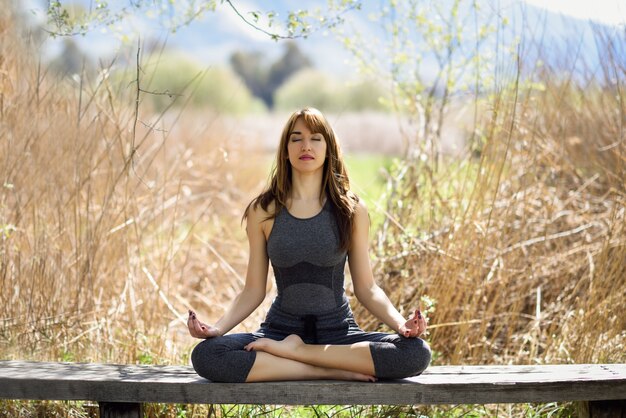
[(611, 12), (211, 39)]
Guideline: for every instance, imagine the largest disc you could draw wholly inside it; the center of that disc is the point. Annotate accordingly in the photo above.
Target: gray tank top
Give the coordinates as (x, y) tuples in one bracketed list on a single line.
[(307, 262)]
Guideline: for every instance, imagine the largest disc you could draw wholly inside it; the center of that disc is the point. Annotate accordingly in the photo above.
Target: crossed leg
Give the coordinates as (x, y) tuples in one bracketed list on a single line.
[(354, 361), (268, 367), (224, 359)]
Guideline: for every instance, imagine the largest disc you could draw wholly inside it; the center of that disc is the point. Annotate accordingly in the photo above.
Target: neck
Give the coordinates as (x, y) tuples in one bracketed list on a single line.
[(306, 186)]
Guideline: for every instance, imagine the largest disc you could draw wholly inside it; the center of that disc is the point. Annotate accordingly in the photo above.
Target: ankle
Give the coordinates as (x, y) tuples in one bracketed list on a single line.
[(326, 373)]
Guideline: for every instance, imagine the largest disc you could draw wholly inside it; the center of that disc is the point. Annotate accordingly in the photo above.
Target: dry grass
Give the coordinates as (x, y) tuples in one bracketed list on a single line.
[(522, 245), (108, 235)]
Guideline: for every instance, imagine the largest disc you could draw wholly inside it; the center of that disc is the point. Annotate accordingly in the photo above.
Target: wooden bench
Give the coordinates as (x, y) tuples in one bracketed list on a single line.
[(121, 389)]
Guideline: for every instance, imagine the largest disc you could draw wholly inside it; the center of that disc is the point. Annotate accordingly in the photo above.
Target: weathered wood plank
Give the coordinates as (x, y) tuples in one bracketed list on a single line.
[(438, 385)]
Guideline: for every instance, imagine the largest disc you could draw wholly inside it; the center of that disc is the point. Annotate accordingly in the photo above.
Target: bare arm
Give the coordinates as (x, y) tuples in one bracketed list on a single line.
[(253, 292), (365, 288)]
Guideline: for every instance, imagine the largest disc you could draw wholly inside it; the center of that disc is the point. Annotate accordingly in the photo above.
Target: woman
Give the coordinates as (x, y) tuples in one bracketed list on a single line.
[(307, 223)]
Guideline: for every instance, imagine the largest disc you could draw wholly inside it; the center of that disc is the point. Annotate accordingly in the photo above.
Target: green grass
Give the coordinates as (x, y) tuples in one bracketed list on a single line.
[(81, 409), (367, 179)]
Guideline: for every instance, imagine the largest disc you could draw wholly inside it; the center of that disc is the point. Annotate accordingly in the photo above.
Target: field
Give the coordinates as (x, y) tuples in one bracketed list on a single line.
[(114, 221)]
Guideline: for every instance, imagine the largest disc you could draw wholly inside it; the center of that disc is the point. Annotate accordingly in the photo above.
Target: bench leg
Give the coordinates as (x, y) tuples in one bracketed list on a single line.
[(604, 409), (120, 410)]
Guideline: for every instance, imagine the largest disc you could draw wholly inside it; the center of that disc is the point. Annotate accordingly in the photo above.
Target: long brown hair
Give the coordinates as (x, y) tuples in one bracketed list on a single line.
[(335, 182)]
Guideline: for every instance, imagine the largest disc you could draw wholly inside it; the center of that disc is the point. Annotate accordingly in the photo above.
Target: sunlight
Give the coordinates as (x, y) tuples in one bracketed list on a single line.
[(611, 12)]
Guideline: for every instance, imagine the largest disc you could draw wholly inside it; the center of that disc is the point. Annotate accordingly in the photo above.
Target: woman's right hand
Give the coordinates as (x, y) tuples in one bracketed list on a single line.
[(199, 329), (415, 326)]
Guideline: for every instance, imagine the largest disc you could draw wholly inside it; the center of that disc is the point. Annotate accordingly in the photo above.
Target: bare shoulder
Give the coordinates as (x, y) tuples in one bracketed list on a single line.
[(361, 223), (360, 229), (360, 211), (260, 219)]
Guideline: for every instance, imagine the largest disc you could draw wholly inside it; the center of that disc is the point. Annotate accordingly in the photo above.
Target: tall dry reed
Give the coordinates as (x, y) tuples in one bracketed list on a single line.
[(522, 244), (113, 221)]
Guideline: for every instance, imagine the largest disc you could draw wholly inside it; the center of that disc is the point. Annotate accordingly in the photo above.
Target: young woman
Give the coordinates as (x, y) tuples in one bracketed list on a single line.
[(307, 223)]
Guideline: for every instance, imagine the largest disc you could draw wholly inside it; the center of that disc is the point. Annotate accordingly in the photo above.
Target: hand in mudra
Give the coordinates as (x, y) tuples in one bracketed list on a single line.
[(415, 326), (199, 329)]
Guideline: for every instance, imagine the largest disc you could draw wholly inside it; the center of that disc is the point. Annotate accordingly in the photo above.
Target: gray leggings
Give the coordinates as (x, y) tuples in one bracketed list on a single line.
[(223, 359)]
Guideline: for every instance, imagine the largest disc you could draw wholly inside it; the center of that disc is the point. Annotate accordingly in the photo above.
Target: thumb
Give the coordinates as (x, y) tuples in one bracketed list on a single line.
[(404, 331)]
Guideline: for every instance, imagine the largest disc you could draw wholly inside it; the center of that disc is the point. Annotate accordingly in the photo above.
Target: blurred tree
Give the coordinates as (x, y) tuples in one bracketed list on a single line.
[(367, 95), (262, 81), (173, 77), (70, 61), (250, 67), (310, 87), (432, 53), (292, 61)]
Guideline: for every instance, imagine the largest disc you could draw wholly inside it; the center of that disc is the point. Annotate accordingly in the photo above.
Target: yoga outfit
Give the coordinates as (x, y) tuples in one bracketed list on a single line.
[(311, 302)]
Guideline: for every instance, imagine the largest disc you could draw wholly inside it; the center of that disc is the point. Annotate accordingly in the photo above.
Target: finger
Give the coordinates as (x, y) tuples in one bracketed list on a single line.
[(413, 323), (205, 329), (411, 333), (190, 326), (423, 325), (193, 331), (405, 332), (191, 320), (197, 326), (202, 330)]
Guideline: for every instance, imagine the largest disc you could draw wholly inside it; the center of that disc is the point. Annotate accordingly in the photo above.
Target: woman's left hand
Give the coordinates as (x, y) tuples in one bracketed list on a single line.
[(415, 326)]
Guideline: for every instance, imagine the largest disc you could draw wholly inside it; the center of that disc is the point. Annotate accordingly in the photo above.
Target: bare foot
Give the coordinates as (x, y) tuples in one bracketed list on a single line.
[(285, 348), (337, 374)]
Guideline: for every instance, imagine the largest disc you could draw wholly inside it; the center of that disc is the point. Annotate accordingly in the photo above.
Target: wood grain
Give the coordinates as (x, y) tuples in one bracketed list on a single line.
[(438, 385)]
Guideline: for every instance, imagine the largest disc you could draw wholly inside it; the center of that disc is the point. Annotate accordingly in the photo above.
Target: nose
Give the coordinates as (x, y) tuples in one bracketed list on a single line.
[(306, 145)]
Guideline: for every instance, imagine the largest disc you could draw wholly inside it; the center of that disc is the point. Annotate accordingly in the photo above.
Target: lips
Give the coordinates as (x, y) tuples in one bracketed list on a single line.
[(306, 157)]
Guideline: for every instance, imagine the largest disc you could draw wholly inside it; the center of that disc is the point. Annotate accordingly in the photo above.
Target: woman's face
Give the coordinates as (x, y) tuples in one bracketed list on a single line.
[(306, 150)]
